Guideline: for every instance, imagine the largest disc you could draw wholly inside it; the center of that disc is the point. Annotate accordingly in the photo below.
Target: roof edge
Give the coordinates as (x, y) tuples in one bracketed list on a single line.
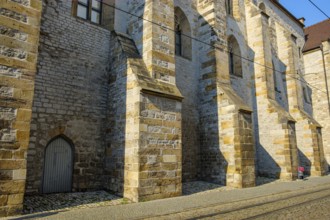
[(311, 49), (317, 23), (282, 8)]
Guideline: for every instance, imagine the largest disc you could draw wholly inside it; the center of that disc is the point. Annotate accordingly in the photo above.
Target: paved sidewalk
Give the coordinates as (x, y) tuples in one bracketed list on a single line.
[(179, 204)]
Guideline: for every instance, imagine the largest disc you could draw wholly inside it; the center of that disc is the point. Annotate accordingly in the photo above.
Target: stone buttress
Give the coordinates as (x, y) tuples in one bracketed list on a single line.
[(227, 146), (150, 124), (309, 137), (277, 149), (19, 37)]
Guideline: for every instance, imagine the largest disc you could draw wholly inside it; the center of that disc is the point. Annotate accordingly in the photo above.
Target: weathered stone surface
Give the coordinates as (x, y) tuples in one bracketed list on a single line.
[(3, 200), (15, 199), (18, 51), (142, 114), (11, 186), (70, 97), (317, 75)]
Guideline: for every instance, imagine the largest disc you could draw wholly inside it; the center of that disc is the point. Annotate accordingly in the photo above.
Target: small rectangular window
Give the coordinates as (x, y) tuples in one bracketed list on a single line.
[(82, 11), (294, 38), (96, 4), (229, 7), (95, 17), (89, 10)]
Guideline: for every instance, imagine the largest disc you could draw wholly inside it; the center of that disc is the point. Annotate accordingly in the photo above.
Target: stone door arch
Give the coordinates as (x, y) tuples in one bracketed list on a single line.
[(58, 166)]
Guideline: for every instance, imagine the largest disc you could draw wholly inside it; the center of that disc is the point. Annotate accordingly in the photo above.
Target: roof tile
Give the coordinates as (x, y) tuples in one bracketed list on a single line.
[(316, 34)]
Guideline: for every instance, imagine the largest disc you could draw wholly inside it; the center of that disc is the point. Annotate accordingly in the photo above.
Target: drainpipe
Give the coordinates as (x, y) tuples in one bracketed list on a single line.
[(325, 77)]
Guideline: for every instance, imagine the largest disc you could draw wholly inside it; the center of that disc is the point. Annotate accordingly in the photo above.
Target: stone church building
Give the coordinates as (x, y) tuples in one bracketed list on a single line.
[(138, 96)]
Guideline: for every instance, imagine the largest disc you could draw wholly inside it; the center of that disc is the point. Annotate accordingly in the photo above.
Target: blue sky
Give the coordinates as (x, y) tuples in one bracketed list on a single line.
[(303, 8)]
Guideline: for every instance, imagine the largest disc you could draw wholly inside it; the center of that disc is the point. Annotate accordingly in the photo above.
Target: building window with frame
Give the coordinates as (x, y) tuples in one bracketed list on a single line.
[(183, 43), (178, 40), (89, 10), (234, 56), (231, 62), (229, 7)]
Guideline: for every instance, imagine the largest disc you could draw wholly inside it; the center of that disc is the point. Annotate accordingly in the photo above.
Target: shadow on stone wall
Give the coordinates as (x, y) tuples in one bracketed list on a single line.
[(186, 77), (116, 119), (70, 95), (261, 154), (281, 95), (275, 170), (213, 164), (304, 162)]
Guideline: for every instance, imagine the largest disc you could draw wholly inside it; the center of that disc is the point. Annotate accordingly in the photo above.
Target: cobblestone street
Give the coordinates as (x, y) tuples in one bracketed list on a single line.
[(68, 201)]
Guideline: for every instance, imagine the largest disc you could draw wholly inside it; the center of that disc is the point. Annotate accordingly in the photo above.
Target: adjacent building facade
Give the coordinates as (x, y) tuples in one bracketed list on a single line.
[(317, 69), (138, 100)]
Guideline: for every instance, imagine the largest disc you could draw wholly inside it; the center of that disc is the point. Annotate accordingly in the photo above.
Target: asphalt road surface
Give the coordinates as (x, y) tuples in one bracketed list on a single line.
[(308, 199), (304, 204)]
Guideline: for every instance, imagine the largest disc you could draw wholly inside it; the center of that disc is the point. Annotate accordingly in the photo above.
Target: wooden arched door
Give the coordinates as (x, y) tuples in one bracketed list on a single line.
[(58, 166)]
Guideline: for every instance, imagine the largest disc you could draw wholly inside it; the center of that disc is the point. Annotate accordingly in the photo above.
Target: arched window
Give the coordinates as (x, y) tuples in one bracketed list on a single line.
[(182, 34), (233, 8), (229, 7), (235, 62)]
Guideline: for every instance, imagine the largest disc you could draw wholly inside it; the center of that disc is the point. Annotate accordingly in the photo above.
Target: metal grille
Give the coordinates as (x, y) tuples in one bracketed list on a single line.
[(58, 167)]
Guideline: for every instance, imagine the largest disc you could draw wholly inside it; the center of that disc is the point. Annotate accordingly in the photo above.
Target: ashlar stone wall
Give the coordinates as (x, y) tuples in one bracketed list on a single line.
[(310, 152), (149, 126), (142, 119), (187, 75), (223, 157), (236, 28), (281, 50), (71, 95), (277, 154)]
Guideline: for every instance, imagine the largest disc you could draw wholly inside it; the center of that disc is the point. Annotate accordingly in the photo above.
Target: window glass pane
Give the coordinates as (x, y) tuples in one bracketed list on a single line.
[(96, 4), (82, 11), (83, 1), (95, 17), (178, 43)]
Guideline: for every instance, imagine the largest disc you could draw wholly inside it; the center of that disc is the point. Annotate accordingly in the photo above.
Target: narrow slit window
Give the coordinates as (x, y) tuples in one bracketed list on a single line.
[(178, 41)]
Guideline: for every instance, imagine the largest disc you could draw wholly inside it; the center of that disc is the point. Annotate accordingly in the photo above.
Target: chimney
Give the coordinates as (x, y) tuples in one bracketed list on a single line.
[(302, 20)]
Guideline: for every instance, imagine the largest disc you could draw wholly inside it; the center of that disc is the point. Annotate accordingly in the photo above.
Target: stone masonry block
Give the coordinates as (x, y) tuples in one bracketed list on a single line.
[(169, 159), (19, 174), (15, 199), (12, 164), (12, 187), (3, 200)]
